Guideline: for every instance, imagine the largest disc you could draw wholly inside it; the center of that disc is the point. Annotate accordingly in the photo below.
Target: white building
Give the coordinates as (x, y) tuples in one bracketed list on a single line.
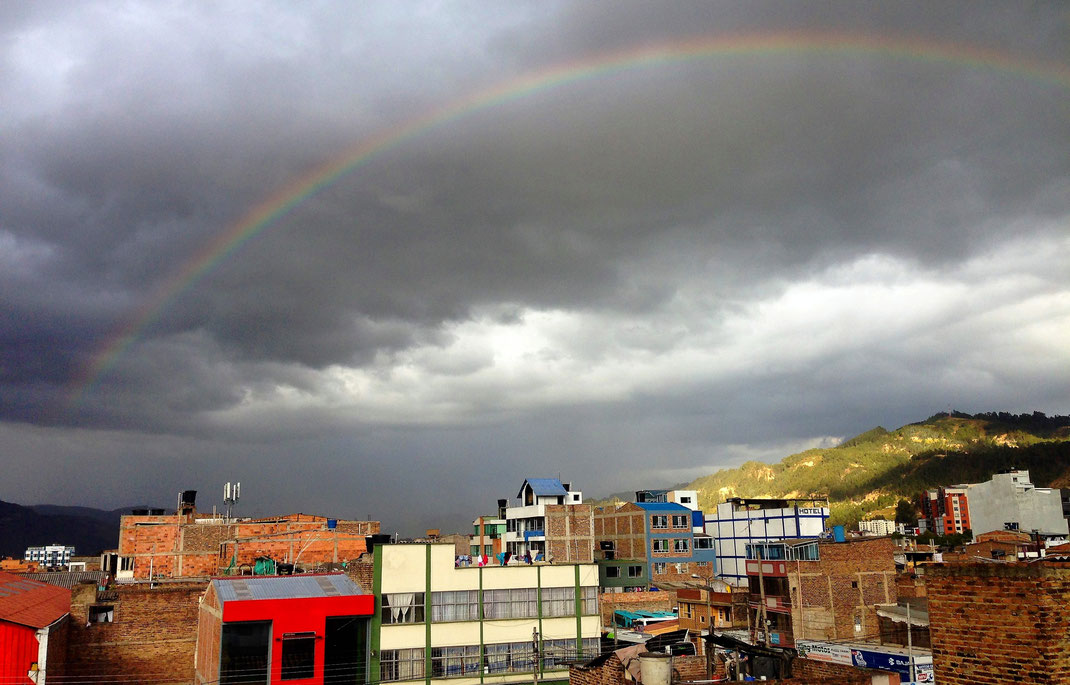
[(479, 624), (525, 525), (877, 527), (1010, 500), (49, 555), (739, 522)]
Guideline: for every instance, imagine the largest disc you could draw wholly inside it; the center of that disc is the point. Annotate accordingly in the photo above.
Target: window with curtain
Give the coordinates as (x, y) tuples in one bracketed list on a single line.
[(558, 601), (454, 661), (590, 602), (515, 603), (401, 664), (460, 605), (403, 607)]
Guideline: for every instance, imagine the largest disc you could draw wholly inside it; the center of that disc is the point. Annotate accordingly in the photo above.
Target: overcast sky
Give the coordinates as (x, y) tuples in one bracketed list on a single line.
[(630, 277)]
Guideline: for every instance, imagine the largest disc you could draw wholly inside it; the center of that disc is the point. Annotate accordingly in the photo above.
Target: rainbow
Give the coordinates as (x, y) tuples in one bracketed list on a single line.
[(282, 202)]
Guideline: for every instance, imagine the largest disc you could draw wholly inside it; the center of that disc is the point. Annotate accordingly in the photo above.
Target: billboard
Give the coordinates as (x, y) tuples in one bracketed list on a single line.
[(868, 657)]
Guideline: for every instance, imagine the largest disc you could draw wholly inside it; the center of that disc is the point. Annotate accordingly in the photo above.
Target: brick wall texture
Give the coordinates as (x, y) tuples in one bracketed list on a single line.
[(175, 547), (624, 526), (570, 532), (832, 596), (152, 638), (994, 623)]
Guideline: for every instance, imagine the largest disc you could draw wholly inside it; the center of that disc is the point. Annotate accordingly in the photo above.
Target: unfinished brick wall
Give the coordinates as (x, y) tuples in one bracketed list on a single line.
[(990, 623), (176, 547), (153, 637), (570, 532), (624, 526), (811, 670), (362, 572), (834, 595)]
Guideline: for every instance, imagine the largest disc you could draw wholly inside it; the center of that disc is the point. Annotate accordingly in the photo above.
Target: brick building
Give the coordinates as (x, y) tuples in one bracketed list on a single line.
[(994, 623), (659, 533), (820, 589), (187, 544), (134, 631)]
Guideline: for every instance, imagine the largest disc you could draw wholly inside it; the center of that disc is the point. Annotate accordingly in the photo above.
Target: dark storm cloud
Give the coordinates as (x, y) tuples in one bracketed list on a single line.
[(650, 266)]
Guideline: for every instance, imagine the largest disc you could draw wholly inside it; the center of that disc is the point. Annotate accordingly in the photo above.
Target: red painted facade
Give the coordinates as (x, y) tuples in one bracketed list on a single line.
[(288, 615), (18, 650), (297, 616)]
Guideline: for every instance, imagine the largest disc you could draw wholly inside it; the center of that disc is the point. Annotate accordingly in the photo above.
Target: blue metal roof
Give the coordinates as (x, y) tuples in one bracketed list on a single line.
[(284, 587), (662, 506), (544, 487)]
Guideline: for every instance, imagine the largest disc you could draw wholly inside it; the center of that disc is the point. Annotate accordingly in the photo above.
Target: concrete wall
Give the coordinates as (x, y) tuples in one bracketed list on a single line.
[(999, 500)]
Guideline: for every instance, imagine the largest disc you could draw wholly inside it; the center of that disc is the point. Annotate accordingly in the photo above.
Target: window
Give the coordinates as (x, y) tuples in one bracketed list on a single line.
[(454, 661), (401, 664), (703, 543), (702, 563), (613, 572), (243, 653), (659, 568), (559, 601), (589, 606), (101, 613), (515, 603), (685, 500), (462, 605), (660, 545), (403, 607), (659, 521), (680, 521), (575, 498), (635, 571), (681, 545), (509, 657), (126, 563), (298, 657)]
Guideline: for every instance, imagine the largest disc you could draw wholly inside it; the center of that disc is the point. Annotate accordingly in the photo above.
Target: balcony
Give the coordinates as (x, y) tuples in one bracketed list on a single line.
[(534, 535), (777, 603), (773, 569)]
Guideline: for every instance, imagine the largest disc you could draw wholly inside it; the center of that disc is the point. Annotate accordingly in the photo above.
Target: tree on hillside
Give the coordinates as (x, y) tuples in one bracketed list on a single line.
[(905, 513)]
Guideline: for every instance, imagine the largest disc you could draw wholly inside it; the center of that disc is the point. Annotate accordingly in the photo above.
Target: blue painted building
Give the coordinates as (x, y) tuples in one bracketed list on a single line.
[(663, 534)]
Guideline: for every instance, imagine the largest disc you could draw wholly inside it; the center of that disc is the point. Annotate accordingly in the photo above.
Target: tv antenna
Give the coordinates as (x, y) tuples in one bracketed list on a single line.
[(231, 493)]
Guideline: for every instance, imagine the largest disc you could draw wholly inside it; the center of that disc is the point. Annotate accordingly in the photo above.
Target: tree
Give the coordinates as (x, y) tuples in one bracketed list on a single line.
[(905, 513)]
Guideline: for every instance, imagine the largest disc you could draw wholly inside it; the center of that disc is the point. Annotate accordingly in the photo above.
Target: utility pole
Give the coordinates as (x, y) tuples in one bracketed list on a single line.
[(910, 646), (761, 590), (535, 656)]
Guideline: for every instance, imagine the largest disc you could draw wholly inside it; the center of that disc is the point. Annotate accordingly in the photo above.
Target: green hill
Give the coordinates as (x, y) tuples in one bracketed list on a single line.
[(874, 470)]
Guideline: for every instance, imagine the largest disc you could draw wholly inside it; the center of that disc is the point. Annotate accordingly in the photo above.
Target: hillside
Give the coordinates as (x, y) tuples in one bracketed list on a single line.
[(877, 468), (89, 530)]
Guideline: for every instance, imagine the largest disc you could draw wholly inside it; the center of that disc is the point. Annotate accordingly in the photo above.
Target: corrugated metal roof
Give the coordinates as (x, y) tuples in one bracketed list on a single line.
[(69, 580), (662, 506), (544, 487), (30, 602), (285, 587)]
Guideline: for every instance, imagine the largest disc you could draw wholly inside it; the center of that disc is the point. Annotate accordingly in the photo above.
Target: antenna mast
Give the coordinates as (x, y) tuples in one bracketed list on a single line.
[(231, 493)]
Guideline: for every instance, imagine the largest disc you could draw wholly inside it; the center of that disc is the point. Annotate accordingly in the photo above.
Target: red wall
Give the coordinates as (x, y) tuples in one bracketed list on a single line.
[(297, 616), (18, 649)]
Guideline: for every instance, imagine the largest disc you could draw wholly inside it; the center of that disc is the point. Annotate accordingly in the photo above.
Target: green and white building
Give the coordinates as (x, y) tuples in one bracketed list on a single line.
[(467, 625)]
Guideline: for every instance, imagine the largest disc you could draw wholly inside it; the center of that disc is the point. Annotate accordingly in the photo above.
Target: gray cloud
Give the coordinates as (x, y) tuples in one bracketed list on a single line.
[(650, 267)]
